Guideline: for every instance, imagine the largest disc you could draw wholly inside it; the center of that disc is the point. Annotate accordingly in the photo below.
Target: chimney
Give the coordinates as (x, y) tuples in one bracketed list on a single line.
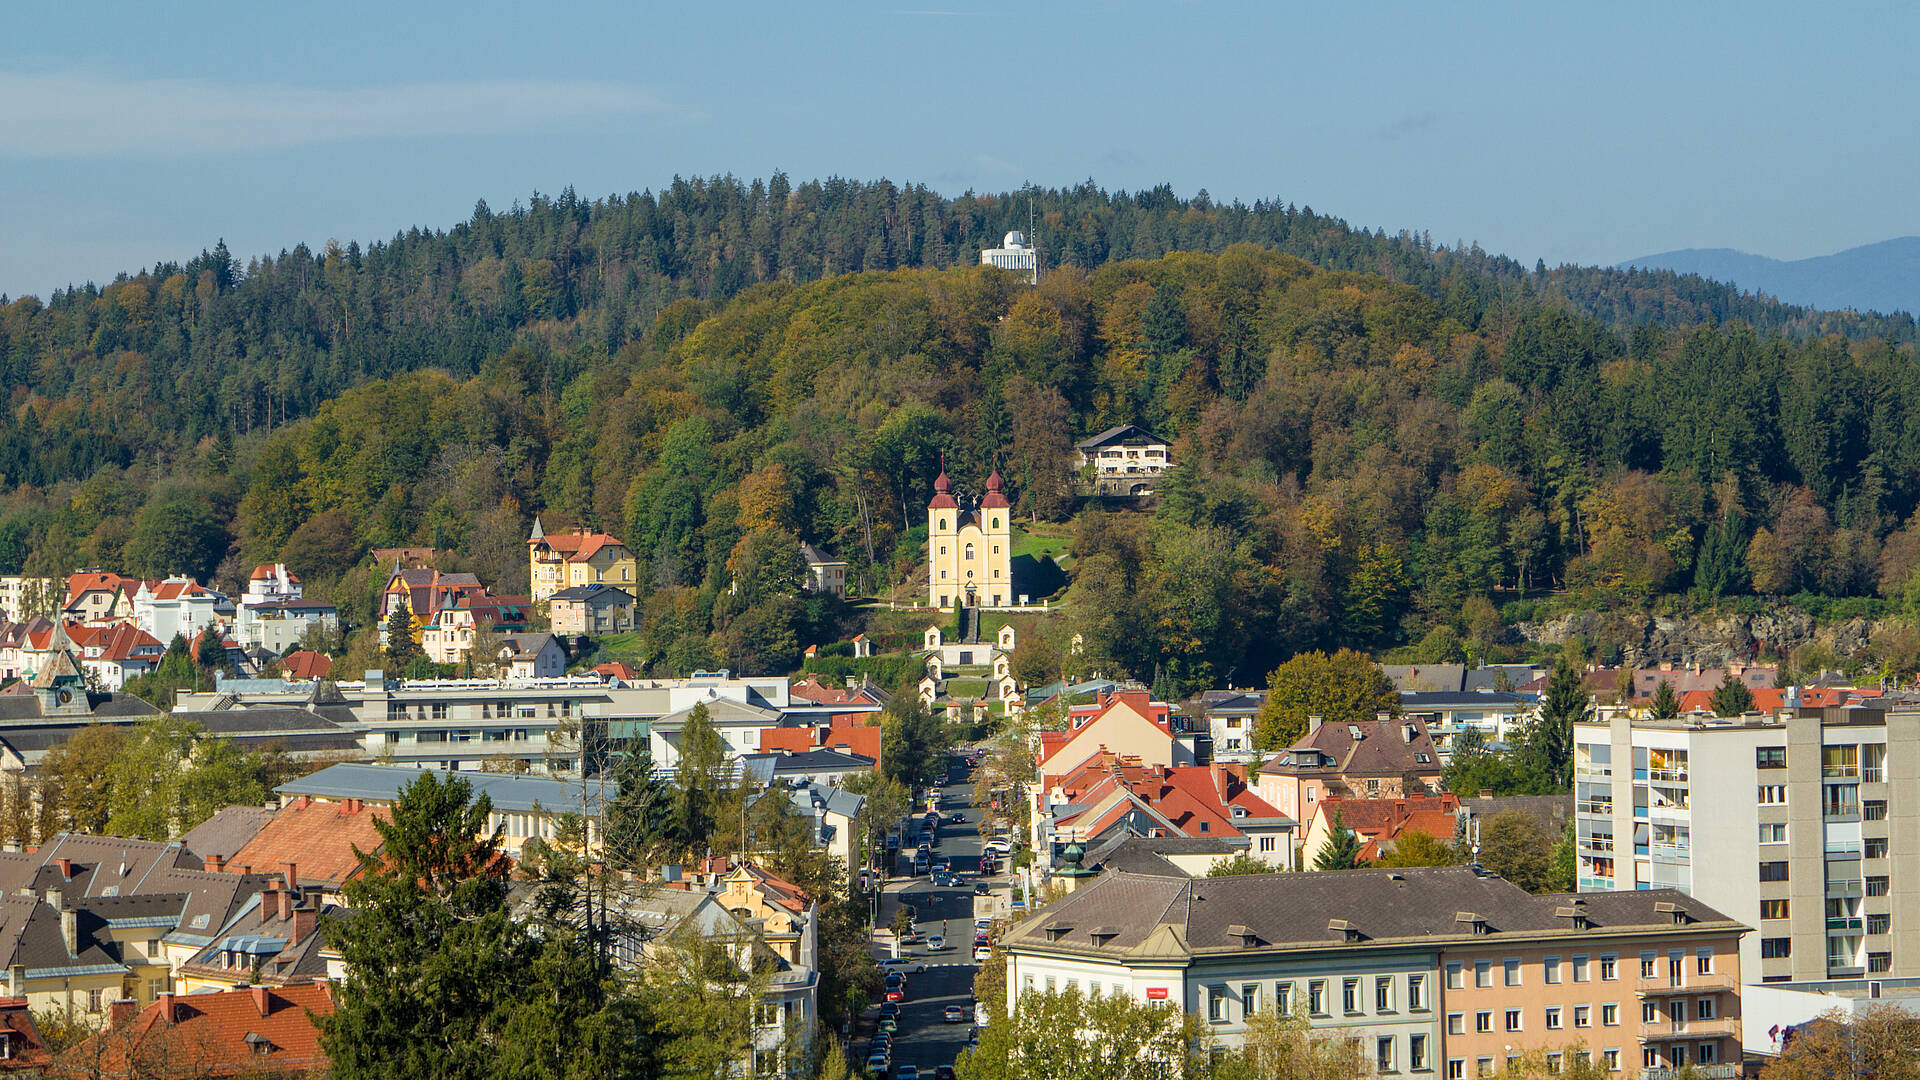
[(303, 802), (70, 930), (286, 897), (262, 999), (17, 980), (269, 904), (66, 869), (215, 862), (1313, 723), (165, 1001), (305, 921), (291, 871), (54, 897), (121, 1011), (353, 806)]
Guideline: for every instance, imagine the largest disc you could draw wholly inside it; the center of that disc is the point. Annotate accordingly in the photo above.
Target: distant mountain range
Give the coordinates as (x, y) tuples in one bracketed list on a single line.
[(1882, 277)]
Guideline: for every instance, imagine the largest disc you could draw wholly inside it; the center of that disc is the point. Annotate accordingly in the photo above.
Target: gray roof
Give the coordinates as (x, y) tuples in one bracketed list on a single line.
[(95, 864), (1552, 811), (1426, 677), (1142, 855), (1488, 678), (1122, 433), (382, 784), (24, 706), (814, 761), (227, 831), (595, 592), (814, 556), (1141, 915), (830, 798), (1462, 699), (527, 645)]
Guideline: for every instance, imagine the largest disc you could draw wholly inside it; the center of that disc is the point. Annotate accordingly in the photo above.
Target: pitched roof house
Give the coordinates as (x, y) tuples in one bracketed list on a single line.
[(257, 1031), (1381, 758), (1380, 823), (578, 557)]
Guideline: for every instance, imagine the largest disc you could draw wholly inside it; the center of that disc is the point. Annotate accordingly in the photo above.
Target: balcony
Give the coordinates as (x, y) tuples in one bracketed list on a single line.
[(1694, 983), (1690, 1029), (1838, 887), (1594, 808), (1596, 843), (1666, 776), (1725, 1070), (1840, 772), (1840, 810), (1873, 774), (1844, 924)]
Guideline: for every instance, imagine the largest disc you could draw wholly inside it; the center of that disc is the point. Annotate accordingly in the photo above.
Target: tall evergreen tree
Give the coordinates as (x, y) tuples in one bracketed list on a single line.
[(639, 814), (1549, 741), (1666, 704), (1342, 850), (1731, 697)]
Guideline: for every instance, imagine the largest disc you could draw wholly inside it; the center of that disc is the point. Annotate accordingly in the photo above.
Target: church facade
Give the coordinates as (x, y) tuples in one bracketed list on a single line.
[(969, 552)]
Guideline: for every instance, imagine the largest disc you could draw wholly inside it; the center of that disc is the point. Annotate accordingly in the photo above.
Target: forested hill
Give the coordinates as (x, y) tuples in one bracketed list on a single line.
[(155, 361)]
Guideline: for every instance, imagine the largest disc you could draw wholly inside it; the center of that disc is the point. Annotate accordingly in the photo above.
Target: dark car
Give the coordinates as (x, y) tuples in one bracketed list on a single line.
[(956, 818), (944, 1072)]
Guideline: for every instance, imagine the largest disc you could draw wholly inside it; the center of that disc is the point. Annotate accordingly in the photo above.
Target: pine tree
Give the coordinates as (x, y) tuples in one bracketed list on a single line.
[(638, 814), (1666, 705), (1549, 741), (1342, 851), (401, 649), (1732, 697)]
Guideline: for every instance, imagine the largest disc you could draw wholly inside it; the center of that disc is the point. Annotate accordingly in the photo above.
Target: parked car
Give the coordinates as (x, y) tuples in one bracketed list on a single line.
[(912, 937), (944, 1072), (889, 1025), (983, 924), (906, 1072), (936, 943), (956, 1015), (982, 953), (877, 1062), (890, 1009)]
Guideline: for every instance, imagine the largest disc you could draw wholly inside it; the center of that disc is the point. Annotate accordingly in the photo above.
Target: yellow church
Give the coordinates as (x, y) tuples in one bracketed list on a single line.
[(969, 553)]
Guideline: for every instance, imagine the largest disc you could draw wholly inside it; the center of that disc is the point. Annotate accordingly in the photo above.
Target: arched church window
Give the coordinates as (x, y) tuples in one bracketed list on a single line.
[(969, 551)]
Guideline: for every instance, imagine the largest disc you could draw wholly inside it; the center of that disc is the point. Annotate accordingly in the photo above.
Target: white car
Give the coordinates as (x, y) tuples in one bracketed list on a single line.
[(903, 965), (998, 847)]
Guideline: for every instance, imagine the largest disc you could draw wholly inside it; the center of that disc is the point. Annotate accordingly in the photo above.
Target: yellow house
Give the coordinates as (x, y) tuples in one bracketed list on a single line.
[(577, 558)]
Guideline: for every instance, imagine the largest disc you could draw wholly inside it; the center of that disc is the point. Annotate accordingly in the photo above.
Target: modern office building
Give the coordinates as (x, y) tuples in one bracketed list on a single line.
[(1793, 824)]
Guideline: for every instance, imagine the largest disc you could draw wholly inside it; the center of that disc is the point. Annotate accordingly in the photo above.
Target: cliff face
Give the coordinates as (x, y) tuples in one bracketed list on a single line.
[(1709, 641)]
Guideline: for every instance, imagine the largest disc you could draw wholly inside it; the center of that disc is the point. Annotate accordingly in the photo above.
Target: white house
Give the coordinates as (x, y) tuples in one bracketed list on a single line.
[(532, 656), (177, 605)]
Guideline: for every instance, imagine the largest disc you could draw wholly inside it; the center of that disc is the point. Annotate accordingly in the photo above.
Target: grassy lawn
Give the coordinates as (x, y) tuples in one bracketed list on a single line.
[(1045, 540)]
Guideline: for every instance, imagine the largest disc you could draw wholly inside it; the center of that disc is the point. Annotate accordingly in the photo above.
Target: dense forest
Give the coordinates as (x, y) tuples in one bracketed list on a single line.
[(1383, 439)]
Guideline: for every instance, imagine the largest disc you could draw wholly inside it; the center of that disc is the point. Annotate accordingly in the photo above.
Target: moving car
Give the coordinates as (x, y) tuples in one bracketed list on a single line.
[(936, 943), (956, 1015), (906, 1072), (956, 818), (903, 965), (944, 1072), (981, 889), (946, 879)]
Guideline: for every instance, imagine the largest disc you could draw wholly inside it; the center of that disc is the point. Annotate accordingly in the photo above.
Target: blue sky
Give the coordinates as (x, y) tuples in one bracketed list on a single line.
[(1589, 133)]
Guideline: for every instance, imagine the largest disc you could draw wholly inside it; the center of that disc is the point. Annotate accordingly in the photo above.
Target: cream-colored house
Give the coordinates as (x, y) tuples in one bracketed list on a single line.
[(579, 557)]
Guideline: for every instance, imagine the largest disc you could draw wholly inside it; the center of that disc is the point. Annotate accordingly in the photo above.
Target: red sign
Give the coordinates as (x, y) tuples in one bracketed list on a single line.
[(1156, 993)]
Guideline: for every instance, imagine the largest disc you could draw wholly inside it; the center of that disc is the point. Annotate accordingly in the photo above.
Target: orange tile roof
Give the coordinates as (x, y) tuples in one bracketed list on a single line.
[(318, 837), (852, 738), (577, 546), (306, 664), (617, 670), (250, 1032)]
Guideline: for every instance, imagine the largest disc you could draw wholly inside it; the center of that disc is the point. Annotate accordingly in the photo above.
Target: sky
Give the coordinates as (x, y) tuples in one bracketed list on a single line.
[(1594, 133)]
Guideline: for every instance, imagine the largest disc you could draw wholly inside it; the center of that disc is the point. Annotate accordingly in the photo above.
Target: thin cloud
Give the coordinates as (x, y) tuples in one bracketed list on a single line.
[(67, 114), (1408, 125), (930, 11)]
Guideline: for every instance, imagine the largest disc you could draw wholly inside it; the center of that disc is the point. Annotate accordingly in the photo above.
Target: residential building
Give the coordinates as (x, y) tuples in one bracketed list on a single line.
[(271, 583), (833, 810), (99, 596), (1646, 681), (176, 607), (845, 736), (1016, 255), (21, 598), (591, 609), (1375, 955), (227, 831), (113, 654), (825, 574), (532, 656), (524, 807), (1125, 723), (1386, 758), (449, 638), (310, 840), (273, 940), (1110, 795), (1809, 836), (254, 1031), (424, 593), (969, 552), (22, 1048), (1230, 716), (579, 557), (1498, 716), (281, 625), (306, 664), (1379, 823), (791, 769), (1124, 460)]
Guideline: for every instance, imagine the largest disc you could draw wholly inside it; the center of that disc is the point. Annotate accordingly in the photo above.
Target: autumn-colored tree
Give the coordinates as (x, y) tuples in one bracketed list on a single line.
[(1883, 1042), (1346, 687)]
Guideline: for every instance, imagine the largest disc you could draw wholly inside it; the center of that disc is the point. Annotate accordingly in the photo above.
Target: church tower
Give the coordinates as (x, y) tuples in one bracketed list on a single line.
[(943, 532)]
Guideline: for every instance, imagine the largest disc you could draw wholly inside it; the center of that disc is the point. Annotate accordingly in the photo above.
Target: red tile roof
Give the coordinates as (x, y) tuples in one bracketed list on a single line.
[(256, 1031), (577, 546), (80, 584), (617, 670), (853, 738), (306, 664), (318, 837), (1381, 821)]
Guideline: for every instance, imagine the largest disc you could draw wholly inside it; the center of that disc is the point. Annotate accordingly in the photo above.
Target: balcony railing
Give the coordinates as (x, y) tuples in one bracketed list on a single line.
[(1840, 772), (1845, 887), (1704, 1029), (1725, 1070), (1843, 924), (1667, 776), (1595, 808), (1692, 983), (1596, 843), (1843, 851), (1842, 810), (1873, 774)]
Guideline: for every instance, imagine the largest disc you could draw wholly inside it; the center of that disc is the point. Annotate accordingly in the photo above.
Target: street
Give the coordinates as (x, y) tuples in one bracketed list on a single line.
[(925, 1039)]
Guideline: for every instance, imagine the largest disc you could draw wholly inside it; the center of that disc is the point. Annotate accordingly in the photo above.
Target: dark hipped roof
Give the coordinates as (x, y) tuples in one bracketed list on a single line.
[(1156, 915), (1122, 433)]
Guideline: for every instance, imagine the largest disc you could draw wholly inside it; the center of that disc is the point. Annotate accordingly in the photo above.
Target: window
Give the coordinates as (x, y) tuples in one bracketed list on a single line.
[(1609, 968), (1611, 1059), (1483, 1022), (1350, 996), (1550, 967), (1874, 809), (1416, 993), (1773, 832), (1582, 1016), (1317, 997), (1703, 1009), (1775, 948), (1677, 1011), (1580, 973), (1773, 871), (1383, 1053), (1609, 1016), (1650, 1057), (1383, 994), (1249, 999), (1216, 1003), (1554, 1061), (1456, 976), (1879, 885), (1876, 847), (1513, 1019), (1553, 1018), (1483, 973), (1483, 1067), (1707, 1054), (1879, 924), (1417, 1053), (1773, 794), (1879, 961), (1456, 1023), (1649, 965), (1649, 1012), (1703, 961), (1283, 997), (93, 1001), (1456, 1069), (1770, 757)]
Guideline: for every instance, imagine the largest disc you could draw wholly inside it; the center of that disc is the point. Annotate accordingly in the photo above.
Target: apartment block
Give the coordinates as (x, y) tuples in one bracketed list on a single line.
[(1788, 823)]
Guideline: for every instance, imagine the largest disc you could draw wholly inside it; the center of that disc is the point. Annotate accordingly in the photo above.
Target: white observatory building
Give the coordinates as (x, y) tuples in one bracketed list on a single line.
[(1014, 254)]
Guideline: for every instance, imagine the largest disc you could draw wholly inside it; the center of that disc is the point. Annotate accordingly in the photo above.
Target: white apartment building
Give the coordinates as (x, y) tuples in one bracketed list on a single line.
[(1804, 826)]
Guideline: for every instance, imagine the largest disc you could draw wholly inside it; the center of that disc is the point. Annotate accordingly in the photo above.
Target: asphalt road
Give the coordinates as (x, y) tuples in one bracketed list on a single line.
[(925, 1039)]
